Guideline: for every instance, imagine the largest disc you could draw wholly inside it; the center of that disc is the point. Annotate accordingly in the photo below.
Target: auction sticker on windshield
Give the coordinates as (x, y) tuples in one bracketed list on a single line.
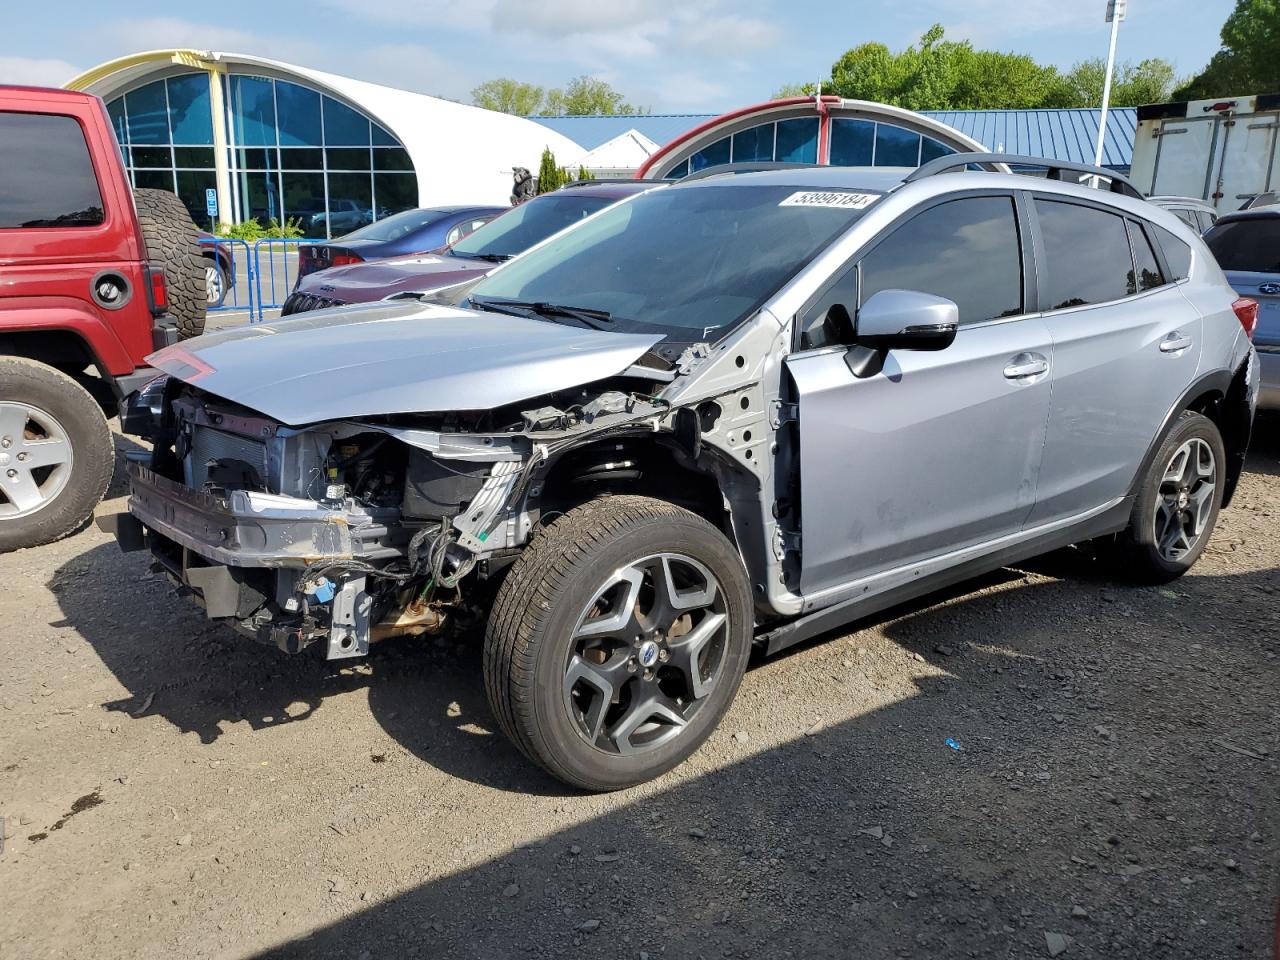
[(824, 198)]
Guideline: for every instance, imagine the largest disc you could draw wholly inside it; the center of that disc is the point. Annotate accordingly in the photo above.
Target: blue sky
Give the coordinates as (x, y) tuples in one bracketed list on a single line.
[(669, 55)]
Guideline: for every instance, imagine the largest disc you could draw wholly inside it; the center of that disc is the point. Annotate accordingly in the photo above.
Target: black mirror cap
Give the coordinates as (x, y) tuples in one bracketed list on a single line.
[(932, 336)]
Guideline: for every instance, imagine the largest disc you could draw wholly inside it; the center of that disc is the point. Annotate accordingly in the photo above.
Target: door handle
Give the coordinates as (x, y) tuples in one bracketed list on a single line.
[(1175, 342), (1024, 366)]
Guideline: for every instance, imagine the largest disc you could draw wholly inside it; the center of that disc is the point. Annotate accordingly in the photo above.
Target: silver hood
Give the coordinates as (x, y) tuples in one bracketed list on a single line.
[(390, 358)]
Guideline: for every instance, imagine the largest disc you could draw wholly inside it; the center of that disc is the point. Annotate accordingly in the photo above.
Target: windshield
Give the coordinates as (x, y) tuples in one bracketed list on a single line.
[(395, 227), (1250, 246), (684, 261), (529, 223)]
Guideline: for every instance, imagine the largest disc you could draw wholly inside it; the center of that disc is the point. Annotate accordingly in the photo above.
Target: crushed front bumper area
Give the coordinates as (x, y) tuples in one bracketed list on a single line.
[(249, 529), (246, 558)]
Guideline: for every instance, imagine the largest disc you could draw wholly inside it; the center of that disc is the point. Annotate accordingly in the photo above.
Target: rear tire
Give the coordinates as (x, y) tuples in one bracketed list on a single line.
[(628, 595), (47, 418), (173, 241), (1177, 504), (216, 283)]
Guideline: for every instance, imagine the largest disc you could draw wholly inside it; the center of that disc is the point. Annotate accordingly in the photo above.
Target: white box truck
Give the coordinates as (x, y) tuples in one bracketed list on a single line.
[(1220, 151)]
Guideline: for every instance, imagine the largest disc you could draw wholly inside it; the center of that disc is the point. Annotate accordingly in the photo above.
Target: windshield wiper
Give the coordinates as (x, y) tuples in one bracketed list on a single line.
[(490, 257), (594, 319), (503, 306)]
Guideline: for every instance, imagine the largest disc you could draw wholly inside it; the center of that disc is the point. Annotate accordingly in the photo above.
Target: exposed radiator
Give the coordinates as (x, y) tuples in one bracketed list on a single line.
[(209, 446)]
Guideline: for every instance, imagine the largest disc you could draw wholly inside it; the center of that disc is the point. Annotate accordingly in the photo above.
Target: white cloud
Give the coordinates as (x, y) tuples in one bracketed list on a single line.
[(35, 72)]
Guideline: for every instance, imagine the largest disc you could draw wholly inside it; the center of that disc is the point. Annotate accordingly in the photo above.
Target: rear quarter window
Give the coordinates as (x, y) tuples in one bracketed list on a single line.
[(46, 176), (1177, 254)]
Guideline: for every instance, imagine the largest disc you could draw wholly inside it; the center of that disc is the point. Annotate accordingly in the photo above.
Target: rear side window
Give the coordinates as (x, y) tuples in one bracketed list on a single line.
[(1086, 253), (1250, 246), (46, 177), (1206, 220), (1146, 274), (1176, 253), (966, 250)]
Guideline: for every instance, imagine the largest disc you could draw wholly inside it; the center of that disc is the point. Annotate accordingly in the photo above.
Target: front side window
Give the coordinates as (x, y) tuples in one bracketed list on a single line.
[(1086, 253), (46, 176), (530, 223), (1249, 245), (966, 250), (689, 262)]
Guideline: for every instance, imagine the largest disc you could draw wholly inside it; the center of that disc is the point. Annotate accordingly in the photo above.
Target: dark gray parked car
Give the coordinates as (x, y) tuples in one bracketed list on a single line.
[(1247, 247), (746, 408)]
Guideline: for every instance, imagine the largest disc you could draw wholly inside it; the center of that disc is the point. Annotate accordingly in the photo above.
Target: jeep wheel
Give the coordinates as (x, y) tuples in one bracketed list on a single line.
[(216, 283), (1177, 504), (617, 641), (172, 240), (56, 454)]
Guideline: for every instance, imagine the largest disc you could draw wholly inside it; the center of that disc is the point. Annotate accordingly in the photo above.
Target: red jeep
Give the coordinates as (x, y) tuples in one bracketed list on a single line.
[(93, 278)]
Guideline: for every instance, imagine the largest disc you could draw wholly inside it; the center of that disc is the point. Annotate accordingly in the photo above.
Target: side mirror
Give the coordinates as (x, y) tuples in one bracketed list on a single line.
[(906, 320)]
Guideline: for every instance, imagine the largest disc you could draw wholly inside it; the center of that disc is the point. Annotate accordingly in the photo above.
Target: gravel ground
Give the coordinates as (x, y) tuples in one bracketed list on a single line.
[(170, 790)]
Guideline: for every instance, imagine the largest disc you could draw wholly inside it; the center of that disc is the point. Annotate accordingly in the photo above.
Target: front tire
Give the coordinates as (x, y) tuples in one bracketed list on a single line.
[(617, 641), (56, 454), (1177, 504)]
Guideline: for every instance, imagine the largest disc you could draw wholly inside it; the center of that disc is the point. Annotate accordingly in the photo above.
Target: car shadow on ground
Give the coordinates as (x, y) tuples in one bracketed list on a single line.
[(876, 837), (427, 693)]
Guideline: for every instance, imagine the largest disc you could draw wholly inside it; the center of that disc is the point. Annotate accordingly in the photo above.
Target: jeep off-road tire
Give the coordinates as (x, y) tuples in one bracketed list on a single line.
[(624, 594), (1179, 496), (173, 241), (56, 454)]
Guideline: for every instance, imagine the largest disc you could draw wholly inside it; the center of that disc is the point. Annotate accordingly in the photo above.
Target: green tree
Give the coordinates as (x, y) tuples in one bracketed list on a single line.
[(941, 74), (549, 175), (1149, 81), (584, 96), (508, 96), (1249, 60), (788, 90), (584, 173)]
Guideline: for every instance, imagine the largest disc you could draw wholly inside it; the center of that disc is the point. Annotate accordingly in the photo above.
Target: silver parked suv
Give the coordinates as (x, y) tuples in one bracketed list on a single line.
[(745, 408)]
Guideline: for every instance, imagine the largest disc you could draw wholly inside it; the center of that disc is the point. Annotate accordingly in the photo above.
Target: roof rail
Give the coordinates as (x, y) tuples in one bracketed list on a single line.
[(748, 167), (1119, 183), (593, 181)]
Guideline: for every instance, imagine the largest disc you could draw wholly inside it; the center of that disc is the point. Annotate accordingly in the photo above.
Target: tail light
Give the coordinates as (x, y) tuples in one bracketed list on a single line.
[(345, 260), (157, 291), (1247, 312)]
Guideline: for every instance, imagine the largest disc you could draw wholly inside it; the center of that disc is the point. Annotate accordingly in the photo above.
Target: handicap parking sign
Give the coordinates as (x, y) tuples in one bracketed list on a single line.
[(211, 201)]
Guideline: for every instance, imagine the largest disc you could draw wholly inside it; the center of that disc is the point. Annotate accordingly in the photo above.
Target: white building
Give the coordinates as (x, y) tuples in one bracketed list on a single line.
[(271, 139)]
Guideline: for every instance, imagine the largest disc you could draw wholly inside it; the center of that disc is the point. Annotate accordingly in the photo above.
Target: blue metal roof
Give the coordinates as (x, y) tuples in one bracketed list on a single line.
[(1055, 134)]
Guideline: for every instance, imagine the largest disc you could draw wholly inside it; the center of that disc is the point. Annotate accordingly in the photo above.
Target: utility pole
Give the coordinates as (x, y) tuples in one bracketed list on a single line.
[(1115, 13)]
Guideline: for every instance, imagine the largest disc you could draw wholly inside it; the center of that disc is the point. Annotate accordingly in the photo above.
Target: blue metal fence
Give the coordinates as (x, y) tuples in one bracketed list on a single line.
[(276, 275), (234, 288), (257, 277)]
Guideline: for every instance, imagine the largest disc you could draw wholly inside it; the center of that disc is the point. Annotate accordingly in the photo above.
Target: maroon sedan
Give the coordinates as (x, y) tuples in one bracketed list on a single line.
[(469, 259)]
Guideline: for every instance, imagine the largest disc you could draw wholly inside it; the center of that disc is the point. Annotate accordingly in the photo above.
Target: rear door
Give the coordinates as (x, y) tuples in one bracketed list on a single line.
[(1248, 250), (1126, 344), (1247, 159), (938, 451)]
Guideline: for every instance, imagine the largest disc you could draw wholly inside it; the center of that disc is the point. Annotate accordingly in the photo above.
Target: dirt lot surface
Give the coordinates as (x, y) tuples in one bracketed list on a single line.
[(170, 790)]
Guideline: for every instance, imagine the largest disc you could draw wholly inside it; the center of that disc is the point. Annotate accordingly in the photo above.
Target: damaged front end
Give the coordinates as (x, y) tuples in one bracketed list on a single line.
[(348, 532)]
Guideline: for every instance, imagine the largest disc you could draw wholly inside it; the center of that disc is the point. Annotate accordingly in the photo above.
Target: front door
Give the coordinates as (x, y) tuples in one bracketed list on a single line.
[(938, 451)]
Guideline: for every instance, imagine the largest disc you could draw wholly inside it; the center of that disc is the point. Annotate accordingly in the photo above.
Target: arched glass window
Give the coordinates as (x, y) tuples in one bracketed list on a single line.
[(295, 153)]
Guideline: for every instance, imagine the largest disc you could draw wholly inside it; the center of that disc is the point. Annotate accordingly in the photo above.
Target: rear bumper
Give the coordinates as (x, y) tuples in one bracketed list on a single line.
[(1269, 389)]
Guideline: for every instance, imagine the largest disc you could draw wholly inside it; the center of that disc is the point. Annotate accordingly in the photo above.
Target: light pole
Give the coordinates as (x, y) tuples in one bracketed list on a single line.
[(1115, 13)]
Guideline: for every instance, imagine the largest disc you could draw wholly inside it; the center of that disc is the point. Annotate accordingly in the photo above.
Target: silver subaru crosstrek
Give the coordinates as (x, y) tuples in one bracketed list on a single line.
[(742, 409)]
